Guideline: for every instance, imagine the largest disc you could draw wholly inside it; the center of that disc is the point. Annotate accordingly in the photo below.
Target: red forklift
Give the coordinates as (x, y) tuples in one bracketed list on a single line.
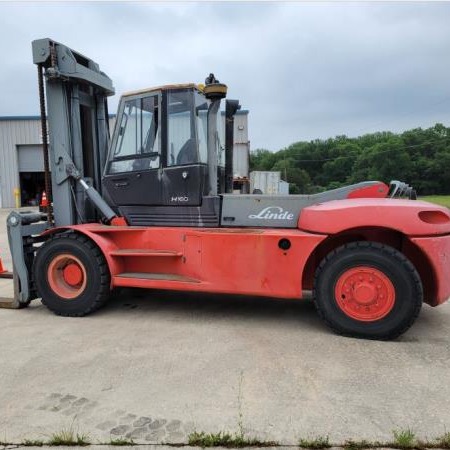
[(153, 207)]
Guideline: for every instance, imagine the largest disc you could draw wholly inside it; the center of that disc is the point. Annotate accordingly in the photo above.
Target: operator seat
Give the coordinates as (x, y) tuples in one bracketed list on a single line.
[(187, 153)]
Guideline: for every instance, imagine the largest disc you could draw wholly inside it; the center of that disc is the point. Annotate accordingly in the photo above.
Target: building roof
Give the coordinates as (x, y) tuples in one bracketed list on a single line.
[(5, 118)]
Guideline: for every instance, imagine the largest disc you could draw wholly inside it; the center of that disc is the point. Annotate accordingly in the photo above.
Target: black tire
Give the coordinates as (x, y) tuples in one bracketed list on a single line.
[(95, 290), (405, 280)]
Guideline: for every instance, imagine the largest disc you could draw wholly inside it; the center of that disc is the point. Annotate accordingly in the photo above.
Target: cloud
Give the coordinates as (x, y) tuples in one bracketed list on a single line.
[(303, 70)]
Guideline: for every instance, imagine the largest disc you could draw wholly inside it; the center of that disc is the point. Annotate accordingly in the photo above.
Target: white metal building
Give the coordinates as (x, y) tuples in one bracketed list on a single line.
[(22, 161), (268, 182)]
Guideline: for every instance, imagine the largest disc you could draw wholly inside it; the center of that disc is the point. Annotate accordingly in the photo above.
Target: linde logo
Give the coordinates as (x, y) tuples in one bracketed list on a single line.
[(273, 213)]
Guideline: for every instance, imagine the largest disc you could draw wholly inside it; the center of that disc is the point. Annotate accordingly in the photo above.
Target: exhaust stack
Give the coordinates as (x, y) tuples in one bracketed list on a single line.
[(214, 91)]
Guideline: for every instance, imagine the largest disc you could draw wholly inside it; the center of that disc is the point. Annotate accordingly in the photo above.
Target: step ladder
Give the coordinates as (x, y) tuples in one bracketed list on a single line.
[(150, 279)]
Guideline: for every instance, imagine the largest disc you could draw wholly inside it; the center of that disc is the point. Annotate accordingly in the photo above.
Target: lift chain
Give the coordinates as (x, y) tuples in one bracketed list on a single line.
[(48, 185)]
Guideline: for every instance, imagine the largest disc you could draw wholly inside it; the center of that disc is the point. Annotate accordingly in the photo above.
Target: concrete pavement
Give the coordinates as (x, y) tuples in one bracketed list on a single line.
[(153, 366)]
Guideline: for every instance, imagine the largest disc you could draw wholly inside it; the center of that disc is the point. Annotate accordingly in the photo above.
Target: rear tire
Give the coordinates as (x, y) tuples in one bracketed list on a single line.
[(71, 275), (367, 290)]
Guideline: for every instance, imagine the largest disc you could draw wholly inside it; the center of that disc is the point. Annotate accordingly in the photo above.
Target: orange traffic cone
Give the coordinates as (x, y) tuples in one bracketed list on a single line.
[(44, 201), (2, 269), (4, 274)]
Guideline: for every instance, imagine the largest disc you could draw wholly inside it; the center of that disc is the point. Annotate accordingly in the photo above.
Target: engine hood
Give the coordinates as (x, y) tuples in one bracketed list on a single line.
[(411, 217)]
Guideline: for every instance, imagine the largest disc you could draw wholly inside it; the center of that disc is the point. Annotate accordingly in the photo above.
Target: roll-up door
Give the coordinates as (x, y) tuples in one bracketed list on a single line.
[(31, 158)]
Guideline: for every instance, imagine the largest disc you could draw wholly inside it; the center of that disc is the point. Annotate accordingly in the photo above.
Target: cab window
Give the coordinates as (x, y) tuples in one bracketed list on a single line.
[(138, 144), (182, 143)]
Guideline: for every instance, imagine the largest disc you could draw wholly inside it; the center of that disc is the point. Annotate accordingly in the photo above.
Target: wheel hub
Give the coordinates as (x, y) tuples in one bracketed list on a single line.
[(73, 275), (365, 294), (66, 276)]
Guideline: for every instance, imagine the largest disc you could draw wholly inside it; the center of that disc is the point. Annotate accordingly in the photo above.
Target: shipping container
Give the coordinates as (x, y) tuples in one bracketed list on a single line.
[(283, 188), (267, 182)]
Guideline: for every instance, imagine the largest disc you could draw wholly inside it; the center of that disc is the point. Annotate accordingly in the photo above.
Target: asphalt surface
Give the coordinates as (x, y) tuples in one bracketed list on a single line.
[(154, 366)]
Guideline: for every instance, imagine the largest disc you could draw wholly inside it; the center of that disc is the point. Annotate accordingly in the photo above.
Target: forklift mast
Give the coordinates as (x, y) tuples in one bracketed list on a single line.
[(77, 117), (79, 139)]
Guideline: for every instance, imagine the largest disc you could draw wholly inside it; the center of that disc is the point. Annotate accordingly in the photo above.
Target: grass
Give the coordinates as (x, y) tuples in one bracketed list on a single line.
[(33, 443), (358, 445), (443, 441), (68, 437), (121, 441), (223, 439), (404, 438), (443, 200), (315, 443)]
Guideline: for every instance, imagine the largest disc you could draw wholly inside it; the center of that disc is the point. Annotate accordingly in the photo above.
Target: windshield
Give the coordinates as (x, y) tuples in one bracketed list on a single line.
[(138, 143)]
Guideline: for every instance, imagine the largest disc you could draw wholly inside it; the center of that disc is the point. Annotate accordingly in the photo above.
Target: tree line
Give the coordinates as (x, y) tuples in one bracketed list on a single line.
[(419, 157)]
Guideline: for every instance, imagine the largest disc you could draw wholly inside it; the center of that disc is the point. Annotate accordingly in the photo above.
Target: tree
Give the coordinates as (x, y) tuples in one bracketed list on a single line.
[(262, 159), (298, 179), (384, 161), (339, 169), (419, 157)]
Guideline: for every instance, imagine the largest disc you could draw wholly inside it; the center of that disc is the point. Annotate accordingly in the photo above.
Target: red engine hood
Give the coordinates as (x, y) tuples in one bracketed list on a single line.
[(411, 217)]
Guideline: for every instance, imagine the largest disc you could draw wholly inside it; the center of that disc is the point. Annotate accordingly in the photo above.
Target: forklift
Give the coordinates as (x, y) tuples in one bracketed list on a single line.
[(153, 207)]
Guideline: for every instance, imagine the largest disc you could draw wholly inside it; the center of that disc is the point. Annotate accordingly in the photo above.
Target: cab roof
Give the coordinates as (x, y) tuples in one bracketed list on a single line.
[(165, 87)]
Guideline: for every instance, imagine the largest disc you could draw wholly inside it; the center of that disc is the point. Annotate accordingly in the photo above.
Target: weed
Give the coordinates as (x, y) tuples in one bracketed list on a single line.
[(404, 438), (228, 440), (4, 442), (121, 441), (444, 440), (32, 443), (68, 437), (315, 443), (241, 416), (358, 445)]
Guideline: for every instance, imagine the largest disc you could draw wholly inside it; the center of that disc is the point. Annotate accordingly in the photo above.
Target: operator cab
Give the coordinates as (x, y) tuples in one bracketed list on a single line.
[(159, 155)]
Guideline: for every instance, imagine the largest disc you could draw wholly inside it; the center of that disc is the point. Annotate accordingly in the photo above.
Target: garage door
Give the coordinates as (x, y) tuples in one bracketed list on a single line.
[(31, 158)]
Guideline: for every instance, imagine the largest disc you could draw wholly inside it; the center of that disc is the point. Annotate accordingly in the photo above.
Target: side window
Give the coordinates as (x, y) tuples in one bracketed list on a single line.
[(138, 144), (182, 144)]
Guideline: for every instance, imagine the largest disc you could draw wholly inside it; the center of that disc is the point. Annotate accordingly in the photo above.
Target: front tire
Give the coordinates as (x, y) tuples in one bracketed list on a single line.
[(367, 290), (72, 275)]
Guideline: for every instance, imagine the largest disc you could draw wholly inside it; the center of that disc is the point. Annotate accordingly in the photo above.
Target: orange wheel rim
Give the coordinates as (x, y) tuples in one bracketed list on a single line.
[(365, 294), (66, 276)]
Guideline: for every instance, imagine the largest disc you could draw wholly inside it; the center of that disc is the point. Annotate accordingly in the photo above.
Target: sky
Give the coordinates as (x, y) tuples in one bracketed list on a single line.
[(304, 70)]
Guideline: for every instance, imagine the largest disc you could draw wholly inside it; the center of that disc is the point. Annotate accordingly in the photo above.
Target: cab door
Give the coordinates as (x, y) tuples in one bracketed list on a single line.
[(185, 169), (133, 173)]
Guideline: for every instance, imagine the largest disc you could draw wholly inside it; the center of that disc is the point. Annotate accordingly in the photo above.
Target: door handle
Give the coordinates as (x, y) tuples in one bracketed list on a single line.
[(121, 184)]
